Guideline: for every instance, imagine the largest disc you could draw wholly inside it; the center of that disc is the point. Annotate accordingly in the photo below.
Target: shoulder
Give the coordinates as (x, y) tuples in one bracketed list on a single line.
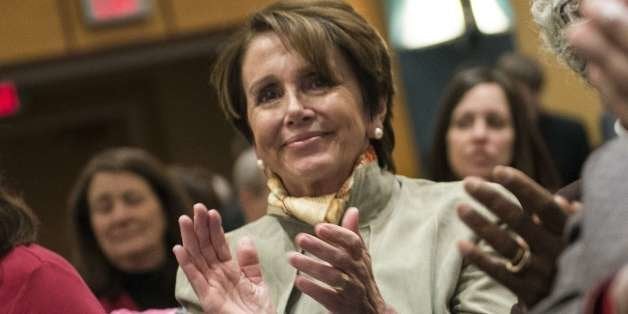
[(442, 198), (42, 274), (608, 154)]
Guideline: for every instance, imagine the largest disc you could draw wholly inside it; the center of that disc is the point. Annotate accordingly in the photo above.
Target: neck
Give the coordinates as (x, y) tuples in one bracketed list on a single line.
[(145, 260), (319, 187)]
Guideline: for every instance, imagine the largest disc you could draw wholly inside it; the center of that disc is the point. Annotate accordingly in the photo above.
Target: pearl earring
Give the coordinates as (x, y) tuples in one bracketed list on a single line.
[(379, 133), (260, 164)]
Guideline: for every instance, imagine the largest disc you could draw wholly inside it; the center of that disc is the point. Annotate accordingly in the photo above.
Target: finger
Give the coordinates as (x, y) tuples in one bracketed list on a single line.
[(569, 208), (539, 239), (218, 236), (326, 296), (533, 198), (351, 219), (248, 260), (341, 237), (507, 211), (201, 228), (490, 265), (192, 273), (607, 89), (610, 17), (190, 243), (337, 257), (597, 49), (499, 239), (318, 270)]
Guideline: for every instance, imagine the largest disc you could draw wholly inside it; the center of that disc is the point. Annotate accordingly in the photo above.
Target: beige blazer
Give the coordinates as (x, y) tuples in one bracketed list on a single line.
[(411, 229)]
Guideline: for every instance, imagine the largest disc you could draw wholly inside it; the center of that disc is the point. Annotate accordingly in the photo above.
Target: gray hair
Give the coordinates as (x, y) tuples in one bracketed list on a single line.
[(553, 17), (247, 175)]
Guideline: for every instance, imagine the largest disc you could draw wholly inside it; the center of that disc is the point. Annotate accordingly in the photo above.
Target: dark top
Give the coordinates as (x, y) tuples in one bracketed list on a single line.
[(567, 143), (146, 290)]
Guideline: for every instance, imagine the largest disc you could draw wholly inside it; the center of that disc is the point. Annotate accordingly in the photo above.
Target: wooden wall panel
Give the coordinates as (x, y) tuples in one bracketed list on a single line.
[(565, 92), (29, 29), (195, 15), (85, 37)]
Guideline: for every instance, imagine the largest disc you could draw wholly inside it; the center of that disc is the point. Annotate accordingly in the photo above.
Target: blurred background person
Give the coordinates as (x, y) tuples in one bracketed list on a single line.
[(202, 185), (125, 208), (565, 138), (483, 122), (250, 184), (34, 279)]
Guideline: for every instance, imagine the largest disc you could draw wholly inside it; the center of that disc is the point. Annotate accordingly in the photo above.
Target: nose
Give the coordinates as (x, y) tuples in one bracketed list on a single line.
[(297, 110), (120, 212), (479, 130)]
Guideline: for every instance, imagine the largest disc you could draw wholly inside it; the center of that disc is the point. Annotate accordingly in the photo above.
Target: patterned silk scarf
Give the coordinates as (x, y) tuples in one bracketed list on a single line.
[(313, 210)]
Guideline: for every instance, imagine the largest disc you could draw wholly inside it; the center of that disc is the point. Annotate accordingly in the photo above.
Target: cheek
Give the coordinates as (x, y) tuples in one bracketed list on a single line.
[(453, 143), (454, 138), (505, 142), (265, 129), (98, 223)]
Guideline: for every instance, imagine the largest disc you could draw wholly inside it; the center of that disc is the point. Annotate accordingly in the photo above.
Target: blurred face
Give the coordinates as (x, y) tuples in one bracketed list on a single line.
[(307, 130), (128, 220), (481, 134)]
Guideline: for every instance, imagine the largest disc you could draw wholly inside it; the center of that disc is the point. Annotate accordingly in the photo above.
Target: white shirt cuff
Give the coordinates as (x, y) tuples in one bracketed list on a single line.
[(620, 130)]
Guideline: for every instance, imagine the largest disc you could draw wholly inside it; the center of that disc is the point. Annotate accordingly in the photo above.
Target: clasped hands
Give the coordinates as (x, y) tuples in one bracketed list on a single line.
[(340, 276)]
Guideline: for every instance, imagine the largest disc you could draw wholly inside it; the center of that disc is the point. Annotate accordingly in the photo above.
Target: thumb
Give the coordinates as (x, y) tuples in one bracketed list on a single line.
[(351, 219), (248, 260)]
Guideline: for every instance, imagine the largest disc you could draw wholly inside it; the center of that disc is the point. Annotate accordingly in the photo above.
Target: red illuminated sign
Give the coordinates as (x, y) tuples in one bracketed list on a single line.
[(99, 12), (9, 100)]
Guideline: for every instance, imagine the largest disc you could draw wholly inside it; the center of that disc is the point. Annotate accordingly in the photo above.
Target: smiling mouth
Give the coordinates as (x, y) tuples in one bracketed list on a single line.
[(304, 139)]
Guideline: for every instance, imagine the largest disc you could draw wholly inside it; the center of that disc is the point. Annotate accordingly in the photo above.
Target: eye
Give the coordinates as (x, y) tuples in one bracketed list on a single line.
[(268, 93), (315, 81), (101, 206), (463, 122), (496, 121), (132, 198)]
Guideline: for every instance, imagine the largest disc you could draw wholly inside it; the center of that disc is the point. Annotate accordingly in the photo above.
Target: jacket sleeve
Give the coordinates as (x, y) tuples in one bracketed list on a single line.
[(478, 293)]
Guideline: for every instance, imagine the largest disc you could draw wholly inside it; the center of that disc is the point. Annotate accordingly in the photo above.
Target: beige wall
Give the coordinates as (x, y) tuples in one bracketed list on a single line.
[(565, 92)]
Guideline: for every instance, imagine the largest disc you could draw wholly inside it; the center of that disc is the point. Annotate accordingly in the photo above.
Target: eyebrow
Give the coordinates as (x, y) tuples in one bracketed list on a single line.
[(257, 85), (254, 89)]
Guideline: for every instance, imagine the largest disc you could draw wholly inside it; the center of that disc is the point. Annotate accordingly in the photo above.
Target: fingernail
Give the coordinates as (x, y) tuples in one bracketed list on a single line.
[(175, 247), (465, 247), (471, 183), (502, 174), (463, 209)]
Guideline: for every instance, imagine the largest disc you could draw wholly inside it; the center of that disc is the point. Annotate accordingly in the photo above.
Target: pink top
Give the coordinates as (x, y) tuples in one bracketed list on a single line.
[(34, 279)]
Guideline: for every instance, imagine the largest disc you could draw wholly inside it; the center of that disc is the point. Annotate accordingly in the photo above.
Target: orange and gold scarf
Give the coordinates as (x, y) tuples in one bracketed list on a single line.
[(313, 210)]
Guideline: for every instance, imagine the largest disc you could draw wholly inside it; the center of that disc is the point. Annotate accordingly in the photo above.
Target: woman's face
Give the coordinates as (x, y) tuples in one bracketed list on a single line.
[(307, 130), (128, 220), (481, 134)]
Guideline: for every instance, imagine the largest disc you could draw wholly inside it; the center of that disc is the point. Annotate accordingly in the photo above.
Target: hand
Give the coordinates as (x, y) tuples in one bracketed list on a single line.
[(343, 266), (539, 222), (221, 284), (619, 291), (603, 42)]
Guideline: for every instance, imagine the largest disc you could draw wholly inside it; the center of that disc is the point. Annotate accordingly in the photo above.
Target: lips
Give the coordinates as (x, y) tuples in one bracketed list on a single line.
[(122, 233), (304, 138)]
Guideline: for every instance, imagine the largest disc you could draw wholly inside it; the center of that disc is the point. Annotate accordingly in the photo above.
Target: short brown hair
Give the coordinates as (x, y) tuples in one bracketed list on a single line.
[(523, 69), (530, 154), (313, 29)]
